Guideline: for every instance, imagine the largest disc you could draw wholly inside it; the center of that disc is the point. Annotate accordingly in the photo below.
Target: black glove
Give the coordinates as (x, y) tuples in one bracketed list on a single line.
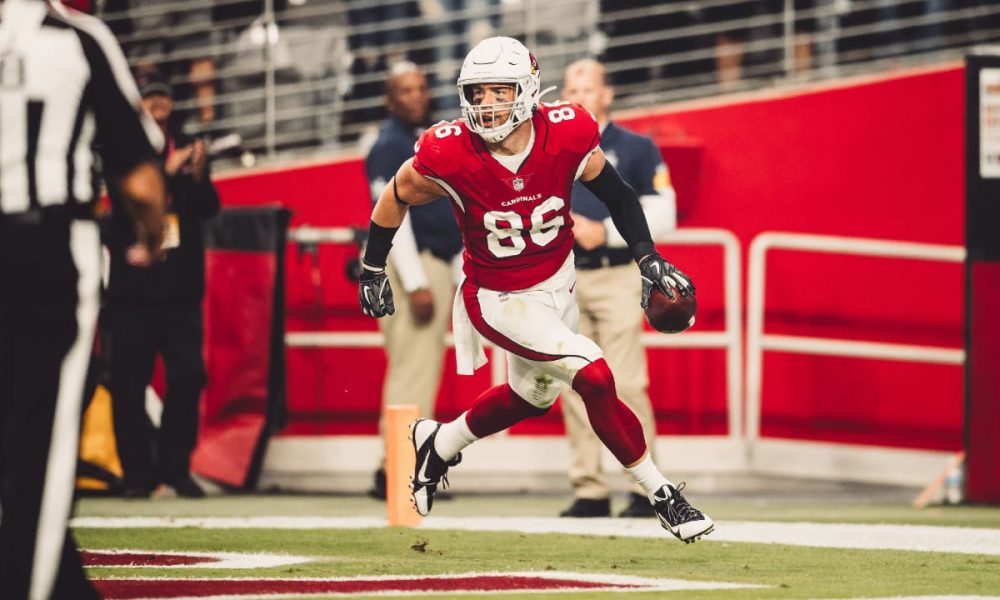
[(657, 272), (374, 293)]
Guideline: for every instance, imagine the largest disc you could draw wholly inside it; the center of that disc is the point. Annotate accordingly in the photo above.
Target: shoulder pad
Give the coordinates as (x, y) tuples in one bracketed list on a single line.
[(571, 128), (444, 149)]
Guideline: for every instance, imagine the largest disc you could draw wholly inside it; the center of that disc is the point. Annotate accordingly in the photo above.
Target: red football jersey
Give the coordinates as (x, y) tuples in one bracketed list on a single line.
[(516, 227)]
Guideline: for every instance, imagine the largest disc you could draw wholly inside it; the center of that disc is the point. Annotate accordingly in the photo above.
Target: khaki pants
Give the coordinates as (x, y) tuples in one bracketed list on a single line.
[(611, 316), (415, 353)]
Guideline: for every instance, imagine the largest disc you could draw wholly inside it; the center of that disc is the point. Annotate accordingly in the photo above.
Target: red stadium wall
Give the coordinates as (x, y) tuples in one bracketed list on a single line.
[(880, 158)]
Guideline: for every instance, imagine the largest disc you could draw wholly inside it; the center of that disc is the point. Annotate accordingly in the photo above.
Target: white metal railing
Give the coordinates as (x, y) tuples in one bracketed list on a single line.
[(729, 338), (294, 76), (758, 341)]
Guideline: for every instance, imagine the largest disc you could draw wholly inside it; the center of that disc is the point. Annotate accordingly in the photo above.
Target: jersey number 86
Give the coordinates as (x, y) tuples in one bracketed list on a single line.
[(506, 228)]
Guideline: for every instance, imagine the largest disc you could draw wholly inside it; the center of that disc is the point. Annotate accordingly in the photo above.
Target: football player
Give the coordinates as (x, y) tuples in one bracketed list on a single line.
[(508, 168)]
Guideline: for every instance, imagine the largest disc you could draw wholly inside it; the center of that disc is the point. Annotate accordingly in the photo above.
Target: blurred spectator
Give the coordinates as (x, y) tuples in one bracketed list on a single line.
[(815, 25), (457, 25), (157, 310), (158, 36), (815, 22), (307, 51), (420, 264), (623, 19), (382, 34), (668, 43), (731, 33)]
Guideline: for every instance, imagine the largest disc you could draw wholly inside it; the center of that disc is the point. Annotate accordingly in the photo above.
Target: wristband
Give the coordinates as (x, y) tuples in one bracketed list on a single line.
[(379, 244)]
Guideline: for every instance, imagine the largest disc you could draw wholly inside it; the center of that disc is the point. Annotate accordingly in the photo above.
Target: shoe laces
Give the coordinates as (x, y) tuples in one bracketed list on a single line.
[(438, 469), (447, 464), (681, 507)]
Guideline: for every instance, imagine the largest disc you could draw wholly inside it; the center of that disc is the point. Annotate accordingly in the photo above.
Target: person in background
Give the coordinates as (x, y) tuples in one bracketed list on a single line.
[(732, 34), (174, 40), (158, 311), (607, 290), (64, 86), (421, 261), (382, 34)]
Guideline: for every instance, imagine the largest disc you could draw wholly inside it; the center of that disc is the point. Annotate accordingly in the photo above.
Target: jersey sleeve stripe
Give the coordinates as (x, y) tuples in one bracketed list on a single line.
[(451, 191), (583, 163)]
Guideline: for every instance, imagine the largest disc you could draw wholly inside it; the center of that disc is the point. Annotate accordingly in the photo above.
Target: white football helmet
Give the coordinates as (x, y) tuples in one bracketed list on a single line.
[(499, 60)]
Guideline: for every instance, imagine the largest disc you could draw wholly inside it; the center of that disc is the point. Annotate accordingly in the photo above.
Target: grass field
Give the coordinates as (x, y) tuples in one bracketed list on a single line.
[(787, 571)]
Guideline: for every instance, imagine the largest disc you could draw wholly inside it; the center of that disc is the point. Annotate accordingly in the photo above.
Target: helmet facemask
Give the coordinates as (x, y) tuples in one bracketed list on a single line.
[(476, 115)]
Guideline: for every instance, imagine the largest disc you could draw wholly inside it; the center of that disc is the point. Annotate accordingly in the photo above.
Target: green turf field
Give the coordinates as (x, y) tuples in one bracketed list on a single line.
[(788, 571)]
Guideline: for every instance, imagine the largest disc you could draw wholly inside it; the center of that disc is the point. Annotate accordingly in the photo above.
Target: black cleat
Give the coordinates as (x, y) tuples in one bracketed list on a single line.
[(638, 507), (588, 507), (377, 490), (186, 487), (431, 470), (677, 516)]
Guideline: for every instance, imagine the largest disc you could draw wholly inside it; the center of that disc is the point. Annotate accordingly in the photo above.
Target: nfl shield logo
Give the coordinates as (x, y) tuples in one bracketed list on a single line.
[(518, 184)]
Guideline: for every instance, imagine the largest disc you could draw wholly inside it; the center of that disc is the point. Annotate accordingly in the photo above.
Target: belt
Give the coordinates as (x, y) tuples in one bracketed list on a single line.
[(602, 257), (48, 214)]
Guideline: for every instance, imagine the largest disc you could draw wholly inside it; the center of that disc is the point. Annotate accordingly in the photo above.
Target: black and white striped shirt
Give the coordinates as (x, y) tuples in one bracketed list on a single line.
[(65, 90)]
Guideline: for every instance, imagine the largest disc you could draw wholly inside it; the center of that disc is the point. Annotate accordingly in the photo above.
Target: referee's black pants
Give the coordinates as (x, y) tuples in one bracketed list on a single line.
[(138, 334), (49, 281)]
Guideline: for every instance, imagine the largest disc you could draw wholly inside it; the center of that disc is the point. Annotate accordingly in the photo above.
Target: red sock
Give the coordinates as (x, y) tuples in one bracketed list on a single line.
[(497, 409), (613, 422)]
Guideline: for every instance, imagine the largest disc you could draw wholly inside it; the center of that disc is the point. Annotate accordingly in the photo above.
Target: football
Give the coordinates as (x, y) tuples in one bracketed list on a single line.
[(670, 315)]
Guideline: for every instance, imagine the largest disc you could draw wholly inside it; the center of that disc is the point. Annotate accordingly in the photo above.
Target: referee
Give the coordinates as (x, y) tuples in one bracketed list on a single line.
[(65, 89)]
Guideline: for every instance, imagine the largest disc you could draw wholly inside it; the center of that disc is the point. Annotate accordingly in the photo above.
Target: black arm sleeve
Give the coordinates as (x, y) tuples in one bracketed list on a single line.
[(379, 244), (626, 212)]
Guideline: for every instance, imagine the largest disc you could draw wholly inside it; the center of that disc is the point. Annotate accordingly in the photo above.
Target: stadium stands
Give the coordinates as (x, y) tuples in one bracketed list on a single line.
[(305, 76)]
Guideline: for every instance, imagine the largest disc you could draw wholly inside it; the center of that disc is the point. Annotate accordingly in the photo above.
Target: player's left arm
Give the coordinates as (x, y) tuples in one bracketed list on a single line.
[(603, 180), (408, 187)]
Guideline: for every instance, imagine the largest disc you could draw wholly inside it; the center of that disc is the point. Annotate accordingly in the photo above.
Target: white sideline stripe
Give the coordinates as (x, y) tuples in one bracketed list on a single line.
[(222, 560), (918, 538)]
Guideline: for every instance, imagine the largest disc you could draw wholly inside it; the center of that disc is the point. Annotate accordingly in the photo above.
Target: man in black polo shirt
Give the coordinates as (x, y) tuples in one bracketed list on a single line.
[(64, 86), (158, 311)]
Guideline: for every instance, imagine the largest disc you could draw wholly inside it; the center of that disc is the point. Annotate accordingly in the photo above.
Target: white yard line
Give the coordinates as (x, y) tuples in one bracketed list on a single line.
[(920, 538)]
